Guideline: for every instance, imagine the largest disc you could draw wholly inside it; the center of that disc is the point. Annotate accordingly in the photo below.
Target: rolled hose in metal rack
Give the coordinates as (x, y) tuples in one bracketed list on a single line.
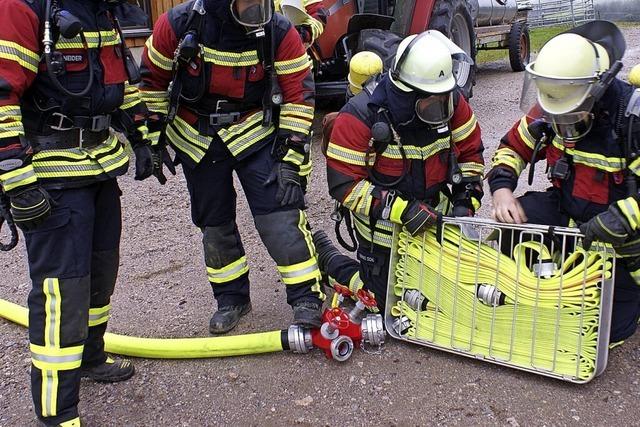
[(295, 339)]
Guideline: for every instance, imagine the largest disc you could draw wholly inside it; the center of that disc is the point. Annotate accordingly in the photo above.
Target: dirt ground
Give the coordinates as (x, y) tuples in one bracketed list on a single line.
[(163, 292)]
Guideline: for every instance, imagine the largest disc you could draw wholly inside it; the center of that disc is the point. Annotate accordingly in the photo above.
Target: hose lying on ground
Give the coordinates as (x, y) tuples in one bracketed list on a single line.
[(174, 348), (548, 323)]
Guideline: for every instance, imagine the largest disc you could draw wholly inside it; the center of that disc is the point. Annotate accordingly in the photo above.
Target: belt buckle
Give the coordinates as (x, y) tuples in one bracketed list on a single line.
[(219, 103), (100, 123), (224, 119), (61, 120)]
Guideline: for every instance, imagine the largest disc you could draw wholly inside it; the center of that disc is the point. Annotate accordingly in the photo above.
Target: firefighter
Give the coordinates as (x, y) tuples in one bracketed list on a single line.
[(581, 119), (227, 121), (393, 152), (58, 166), (308, 16)]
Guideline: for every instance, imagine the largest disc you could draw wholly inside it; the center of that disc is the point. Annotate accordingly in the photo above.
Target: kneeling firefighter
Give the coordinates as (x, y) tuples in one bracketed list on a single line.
[(584, 121), (58, 167), (393, 151), (239, 96)]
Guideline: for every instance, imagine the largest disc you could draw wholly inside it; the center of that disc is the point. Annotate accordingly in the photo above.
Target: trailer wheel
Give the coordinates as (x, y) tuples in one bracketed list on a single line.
[(519, 46), (453, 19)]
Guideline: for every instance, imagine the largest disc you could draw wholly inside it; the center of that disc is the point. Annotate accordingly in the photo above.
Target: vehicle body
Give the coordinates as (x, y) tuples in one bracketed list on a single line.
[(379, 25)]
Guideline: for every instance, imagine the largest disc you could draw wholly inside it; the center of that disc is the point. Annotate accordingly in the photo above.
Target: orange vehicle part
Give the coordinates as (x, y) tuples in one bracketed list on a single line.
[(336, 27)]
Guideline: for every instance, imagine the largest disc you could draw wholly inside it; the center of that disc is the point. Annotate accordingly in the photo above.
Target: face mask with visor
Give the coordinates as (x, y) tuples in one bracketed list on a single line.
[(435, 109), (251, 14)]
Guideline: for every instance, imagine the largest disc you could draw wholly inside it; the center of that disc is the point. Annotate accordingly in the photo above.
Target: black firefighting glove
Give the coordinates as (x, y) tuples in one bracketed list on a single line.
[(289, 181), (161, 158), (145, 161), (305, 33), (418, 216), (609, 226), (30, 207)]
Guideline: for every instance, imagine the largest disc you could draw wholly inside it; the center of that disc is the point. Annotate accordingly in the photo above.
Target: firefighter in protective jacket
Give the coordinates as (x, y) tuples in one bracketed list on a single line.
[(58, 166), (392, 153), (228, 120), (584, 121), (309, 22)]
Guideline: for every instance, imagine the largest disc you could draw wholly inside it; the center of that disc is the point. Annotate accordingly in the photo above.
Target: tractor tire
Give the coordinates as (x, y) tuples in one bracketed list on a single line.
[(381, 42), (519, 46), (453, 19)]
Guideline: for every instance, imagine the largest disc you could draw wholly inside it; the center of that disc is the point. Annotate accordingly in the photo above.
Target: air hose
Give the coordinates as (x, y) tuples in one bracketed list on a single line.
[(477, 300), (295, 339)]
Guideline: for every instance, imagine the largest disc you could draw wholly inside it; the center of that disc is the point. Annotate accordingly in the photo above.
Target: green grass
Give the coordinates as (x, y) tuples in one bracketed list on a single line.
[(538, 37)]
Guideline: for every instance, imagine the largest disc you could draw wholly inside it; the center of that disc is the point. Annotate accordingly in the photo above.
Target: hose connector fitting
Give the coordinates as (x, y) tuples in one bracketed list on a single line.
[(299, 339)]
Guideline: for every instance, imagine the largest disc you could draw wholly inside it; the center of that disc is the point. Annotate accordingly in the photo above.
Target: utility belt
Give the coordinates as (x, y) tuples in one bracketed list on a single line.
[(223, 113), (62, 122), (73, 138)]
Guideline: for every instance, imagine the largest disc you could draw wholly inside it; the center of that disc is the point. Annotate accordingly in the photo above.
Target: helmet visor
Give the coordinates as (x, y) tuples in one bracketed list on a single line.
[(544, 96), (251, 13), (572, 126), (435, 109)]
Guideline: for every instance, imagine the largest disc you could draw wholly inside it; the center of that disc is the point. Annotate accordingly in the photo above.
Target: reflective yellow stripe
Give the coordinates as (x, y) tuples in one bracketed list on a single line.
[(397, 209), (156, 101), (359, 199), (634, 167), (460, 133), (471, 169), (99, 315), (356, 283), (295, 124), (507, 157), (157, 58), (53, 300), (144, 131), (597, 161), (293, 157), (476, 204), (299, 110), (417, 153), (154, 137), (636, 276), (131, 97), (525, 136), (10, 121), (55, 358), (299, 273), (95, 39), (294, 65), (228, 272), (243, 135), (20, 177), (186, 139), (347, 155), (81, 162), (381, 236), (230, 59), (631, 211), (24, 57)]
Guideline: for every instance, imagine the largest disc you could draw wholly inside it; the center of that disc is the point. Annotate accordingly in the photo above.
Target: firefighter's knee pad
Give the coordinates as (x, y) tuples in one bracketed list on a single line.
[(286, 236), (104, 272), (222, 245)]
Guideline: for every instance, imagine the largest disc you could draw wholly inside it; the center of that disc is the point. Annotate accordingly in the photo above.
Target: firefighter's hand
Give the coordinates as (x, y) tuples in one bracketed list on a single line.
[(609, 226), (305, 33), (144, 161), (30, 207), (162, 158), (418, 216), (289, 182), (506, 208)]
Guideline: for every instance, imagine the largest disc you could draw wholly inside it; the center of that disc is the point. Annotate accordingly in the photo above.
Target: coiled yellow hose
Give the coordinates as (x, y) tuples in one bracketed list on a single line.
[(548, 323)]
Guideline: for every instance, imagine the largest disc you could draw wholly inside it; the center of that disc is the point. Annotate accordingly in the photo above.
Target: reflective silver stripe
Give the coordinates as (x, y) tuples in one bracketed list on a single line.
[(299, 273), (224, 274), (15, 179), (97, 319), (50, 284), (346, 155), (56, 359), (47, 405), (27, 61), (245, 141), (231, 59), (417, 153), (631, 212)]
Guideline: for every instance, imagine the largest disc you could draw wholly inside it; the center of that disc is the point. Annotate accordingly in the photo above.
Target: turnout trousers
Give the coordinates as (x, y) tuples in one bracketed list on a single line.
[(283, 230), (544, 208), (73, 263)]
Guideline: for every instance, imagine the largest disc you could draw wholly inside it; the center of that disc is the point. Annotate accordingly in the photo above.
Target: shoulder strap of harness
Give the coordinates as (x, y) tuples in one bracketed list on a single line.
[(632, 149), (266, 54)]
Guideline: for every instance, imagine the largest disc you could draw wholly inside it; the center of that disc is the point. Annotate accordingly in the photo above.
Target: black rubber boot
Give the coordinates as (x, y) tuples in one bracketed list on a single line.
[(307, 314), (111, 371), (227, 318), (325, 249)]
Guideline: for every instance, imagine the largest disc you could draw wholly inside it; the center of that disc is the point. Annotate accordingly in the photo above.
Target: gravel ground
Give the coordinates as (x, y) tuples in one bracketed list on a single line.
[(163, 292)]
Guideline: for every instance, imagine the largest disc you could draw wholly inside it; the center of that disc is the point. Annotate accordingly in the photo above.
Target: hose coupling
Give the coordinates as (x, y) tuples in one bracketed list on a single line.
[(544, 268), (401, 325), (373, 333), (415, 300), (490, 295), (299, 339), (341, 348)]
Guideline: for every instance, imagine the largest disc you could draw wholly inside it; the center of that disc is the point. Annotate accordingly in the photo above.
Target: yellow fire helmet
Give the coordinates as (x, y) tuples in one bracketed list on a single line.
[(362, 66)]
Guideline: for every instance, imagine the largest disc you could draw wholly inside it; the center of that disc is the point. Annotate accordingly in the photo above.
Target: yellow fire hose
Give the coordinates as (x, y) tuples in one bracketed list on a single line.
[(544, 322), (174, 348)]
